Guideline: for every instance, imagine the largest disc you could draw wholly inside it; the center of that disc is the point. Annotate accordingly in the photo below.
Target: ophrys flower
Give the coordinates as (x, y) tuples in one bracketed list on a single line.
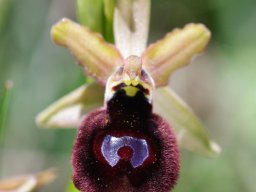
[(125, 146)]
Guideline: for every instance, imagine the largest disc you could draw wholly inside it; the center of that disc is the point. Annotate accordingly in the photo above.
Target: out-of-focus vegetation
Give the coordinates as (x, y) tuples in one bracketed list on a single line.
[(4, 105), (219, 86)]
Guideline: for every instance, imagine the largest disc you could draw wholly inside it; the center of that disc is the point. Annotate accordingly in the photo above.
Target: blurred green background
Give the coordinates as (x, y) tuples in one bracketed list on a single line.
[(219, 85)]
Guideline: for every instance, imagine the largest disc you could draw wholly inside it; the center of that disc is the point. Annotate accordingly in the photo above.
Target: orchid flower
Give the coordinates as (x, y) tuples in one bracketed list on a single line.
[(130, 142)]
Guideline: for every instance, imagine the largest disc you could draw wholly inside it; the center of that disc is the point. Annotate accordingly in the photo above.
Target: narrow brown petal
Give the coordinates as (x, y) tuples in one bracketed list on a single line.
[(97, 57)]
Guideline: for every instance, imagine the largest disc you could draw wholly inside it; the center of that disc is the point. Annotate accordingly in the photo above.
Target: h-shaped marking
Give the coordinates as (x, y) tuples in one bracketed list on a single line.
[(111, 145)]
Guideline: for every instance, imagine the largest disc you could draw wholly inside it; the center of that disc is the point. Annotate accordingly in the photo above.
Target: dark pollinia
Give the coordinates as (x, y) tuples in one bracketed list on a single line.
[(125, 148)]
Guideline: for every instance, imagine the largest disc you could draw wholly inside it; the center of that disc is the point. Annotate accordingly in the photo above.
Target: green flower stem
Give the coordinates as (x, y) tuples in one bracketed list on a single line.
[(90, 13), (4, 10), (4, 108), (98, 16), (109, 6)]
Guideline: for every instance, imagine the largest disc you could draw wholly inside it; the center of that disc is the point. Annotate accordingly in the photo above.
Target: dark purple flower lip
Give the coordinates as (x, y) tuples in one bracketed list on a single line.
[(99, 168), (124, 147)]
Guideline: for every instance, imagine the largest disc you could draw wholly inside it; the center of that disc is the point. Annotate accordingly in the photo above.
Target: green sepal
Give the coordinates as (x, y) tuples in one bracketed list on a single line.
[(131, 23), (68, 111), (190, 132)]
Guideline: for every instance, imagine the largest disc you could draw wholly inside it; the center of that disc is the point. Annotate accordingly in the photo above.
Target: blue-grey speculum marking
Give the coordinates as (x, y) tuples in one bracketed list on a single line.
[(111, 145)]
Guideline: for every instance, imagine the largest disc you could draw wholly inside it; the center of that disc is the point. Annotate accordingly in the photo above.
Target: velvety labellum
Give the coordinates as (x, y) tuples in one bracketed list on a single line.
[(124, 147), (98, 169)]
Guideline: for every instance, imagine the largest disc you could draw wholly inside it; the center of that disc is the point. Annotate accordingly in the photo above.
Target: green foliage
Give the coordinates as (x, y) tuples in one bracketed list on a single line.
[(98, 15), (90, 13), (4, 10), (4, 102), (71, 188)]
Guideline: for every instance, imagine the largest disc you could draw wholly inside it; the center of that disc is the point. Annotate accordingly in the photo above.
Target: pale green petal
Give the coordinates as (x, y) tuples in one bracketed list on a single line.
[(175, 50), (131, 21), (68, 111), (99, 58), (28, 183), (191, 134)]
